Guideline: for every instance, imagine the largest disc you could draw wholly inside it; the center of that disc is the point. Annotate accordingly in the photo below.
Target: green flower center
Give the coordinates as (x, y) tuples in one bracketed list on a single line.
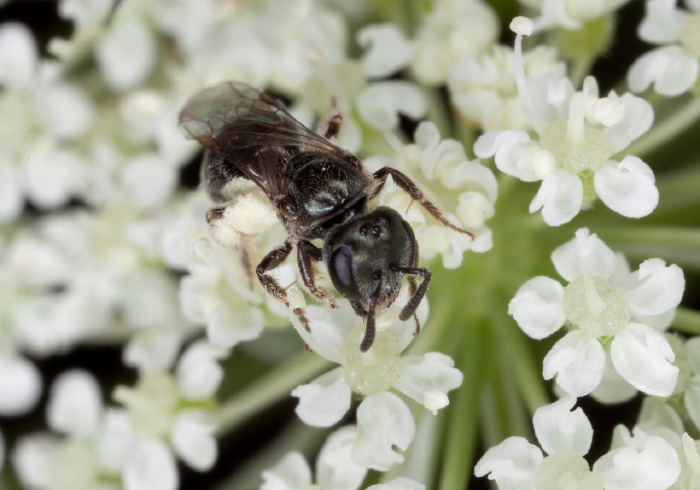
[(372, 371), (590, 153), (591, 304)]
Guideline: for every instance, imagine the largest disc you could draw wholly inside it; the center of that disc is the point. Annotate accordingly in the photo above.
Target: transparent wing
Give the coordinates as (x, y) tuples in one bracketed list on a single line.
[(248, 118), (251, 131)]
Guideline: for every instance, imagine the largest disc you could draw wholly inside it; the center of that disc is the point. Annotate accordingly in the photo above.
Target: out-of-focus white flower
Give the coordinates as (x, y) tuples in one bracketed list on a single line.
[(467, 190), (570, 14), (85, 12), (638, 461), (452, 30), (173, 414), (483, 89), (578, 133), (91, 447), (383, 419), (607, 309), (387, 49), (41, 113), (674, 66), (219, 293), (126, 52), (565, 436), (20, 384), (334, 467)]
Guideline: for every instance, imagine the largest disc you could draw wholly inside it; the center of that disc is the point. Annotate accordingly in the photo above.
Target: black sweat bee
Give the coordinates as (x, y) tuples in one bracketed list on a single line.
[(320, 191)]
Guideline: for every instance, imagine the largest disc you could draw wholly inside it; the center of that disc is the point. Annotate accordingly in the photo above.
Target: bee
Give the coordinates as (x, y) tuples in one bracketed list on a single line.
[(320, 191)]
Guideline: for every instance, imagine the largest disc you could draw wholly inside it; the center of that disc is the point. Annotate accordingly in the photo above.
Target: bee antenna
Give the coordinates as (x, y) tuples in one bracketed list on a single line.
[(370, 329)]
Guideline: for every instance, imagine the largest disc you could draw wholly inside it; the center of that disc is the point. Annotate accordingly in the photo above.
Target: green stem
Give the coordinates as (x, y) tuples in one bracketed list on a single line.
[(667, 129), (687, 321), (580, 68), (276, 384), (463, 425), (524, 368)]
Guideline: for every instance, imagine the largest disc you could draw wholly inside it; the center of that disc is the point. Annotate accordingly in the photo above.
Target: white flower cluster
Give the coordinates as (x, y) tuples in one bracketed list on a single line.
[(578, 133), (605, 307)]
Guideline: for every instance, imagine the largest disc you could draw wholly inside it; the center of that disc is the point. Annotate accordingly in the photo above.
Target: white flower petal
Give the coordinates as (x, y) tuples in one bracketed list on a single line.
[(152, 350), (428, 378), (384, 425), (691, 399), (658, 418), (537, 307), (560, 430), (578, 361), (127, 54), (193, 439), (662, 22), (18, 55), (649, 464), (85, 12), (655, 288), (20, 385), (198, 372), (65, 111), (643, 357), (560, 197), (52, 176), (152, 467), (586, 254), (116, 440), (150, 180), (627, 187), (380, 104), (292, 472), (638, 118), (613, 388), (510, 463), (510, 149), (32, 458), (388, 50), (400, 483), (325, 400), (227, 326), (672, 69), (75, 403), (334, 465)]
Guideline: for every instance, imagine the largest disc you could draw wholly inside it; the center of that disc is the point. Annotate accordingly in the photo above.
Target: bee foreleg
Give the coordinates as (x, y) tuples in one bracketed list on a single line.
[(306, 252), (418, 294), (416, 193), (269, 262)]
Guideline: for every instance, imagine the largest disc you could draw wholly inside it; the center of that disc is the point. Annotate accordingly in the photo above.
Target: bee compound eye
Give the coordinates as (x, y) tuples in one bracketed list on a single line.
[(340, 269)]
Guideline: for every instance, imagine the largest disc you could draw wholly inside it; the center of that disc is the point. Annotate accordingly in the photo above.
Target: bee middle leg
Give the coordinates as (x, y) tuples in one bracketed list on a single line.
[(306, 252), (269, 262), (407, 185)]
